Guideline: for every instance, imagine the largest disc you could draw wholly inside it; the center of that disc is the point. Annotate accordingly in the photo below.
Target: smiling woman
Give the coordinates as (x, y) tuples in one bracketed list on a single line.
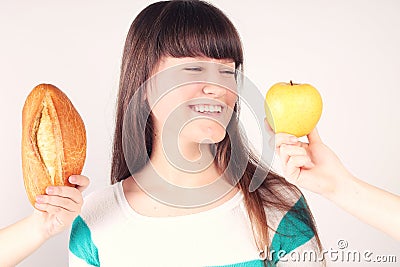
[(181, 170), (351, 58)]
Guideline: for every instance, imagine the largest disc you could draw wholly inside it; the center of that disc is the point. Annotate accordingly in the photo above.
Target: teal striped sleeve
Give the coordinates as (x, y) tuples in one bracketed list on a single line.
[(81, 244), (293, 231)]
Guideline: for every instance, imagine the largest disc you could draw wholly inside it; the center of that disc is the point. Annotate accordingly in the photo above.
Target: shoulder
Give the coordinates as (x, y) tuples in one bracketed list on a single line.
[(283, 203), (292, 230), (294, 223), (98, 213), (102, 204), (105, 195)]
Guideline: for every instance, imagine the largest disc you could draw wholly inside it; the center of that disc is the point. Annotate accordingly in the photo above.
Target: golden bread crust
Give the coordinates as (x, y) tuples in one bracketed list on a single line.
[(53, 140)]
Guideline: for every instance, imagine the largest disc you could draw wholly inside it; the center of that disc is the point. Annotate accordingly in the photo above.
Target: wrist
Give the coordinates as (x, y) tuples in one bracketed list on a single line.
[(340, 184), (38, 226)]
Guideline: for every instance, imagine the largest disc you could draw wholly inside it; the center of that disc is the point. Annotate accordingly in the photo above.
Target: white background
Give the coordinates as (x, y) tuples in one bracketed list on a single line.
[(349, 50)]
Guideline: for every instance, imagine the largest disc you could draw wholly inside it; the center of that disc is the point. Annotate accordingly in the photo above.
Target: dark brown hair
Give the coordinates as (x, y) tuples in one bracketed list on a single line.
[(189, 29)]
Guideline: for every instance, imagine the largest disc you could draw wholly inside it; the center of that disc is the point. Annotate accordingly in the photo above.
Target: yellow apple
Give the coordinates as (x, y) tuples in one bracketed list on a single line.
[(293, 108)]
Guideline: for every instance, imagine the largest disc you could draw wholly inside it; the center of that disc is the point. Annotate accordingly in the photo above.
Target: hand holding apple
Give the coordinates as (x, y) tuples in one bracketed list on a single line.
[(293, 108), (311, 165)]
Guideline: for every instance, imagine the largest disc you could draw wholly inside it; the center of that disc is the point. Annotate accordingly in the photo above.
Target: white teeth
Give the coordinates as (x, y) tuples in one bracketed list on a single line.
[(207, 108)]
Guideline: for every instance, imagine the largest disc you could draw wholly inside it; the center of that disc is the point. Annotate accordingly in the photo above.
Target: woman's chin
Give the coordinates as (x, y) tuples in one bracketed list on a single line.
[(207, 135)]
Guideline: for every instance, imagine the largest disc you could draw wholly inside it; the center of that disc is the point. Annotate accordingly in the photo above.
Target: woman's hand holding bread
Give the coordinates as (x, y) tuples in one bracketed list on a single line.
[(53, 154), (59, 206)]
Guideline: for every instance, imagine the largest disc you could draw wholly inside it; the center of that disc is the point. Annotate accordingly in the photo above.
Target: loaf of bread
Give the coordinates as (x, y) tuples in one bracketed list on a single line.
[(53, 140)]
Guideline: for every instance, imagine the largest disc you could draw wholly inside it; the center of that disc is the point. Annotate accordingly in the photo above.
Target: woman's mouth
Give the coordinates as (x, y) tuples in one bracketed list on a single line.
[(207, 109)]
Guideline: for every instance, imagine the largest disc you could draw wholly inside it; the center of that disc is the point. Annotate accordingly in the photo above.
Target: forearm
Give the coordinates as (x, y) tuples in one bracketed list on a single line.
[(19, 240), (368, 203)]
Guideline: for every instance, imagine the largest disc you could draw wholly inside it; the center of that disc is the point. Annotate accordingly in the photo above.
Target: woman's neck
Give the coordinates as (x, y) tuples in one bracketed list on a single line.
[(186, 165), (198, 182)]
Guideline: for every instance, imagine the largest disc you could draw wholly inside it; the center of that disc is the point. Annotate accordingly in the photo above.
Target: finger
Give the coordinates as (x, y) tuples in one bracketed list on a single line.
[(314, 137), (54, 210), (59, 216), (300, 162), (62, 202), (284, 138), (292, 150), (288, 151), (67, 192), (295, 164), (283, 155), (81, 182)]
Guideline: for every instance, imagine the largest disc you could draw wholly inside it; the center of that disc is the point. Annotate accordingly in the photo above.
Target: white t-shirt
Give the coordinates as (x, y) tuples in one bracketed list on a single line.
[(110, 233)]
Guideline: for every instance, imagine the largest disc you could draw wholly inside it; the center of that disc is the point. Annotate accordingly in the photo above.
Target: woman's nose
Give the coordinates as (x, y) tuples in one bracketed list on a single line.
[(214, 90)]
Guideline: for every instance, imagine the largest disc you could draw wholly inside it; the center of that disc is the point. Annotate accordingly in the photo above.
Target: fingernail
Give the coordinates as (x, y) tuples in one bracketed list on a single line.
[(50, 190), (39, 199), (311, 165), (293, 139), (72, 179)]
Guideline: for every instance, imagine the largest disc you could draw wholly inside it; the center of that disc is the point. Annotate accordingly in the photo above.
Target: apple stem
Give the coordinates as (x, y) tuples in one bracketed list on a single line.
[(291, 83)]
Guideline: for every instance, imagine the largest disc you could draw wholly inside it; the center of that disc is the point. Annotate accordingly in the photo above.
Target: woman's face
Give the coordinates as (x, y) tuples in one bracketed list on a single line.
[(193, 98)]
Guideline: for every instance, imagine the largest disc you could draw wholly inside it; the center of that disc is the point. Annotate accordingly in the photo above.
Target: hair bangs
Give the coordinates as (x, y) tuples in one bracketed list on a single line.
[(193, 28)]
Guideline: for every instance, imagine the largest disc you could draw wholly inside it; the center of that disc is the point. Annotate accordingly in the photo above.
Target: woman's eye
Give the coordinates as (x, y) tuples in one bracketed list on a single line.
[(194, 69), (228, 72)]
